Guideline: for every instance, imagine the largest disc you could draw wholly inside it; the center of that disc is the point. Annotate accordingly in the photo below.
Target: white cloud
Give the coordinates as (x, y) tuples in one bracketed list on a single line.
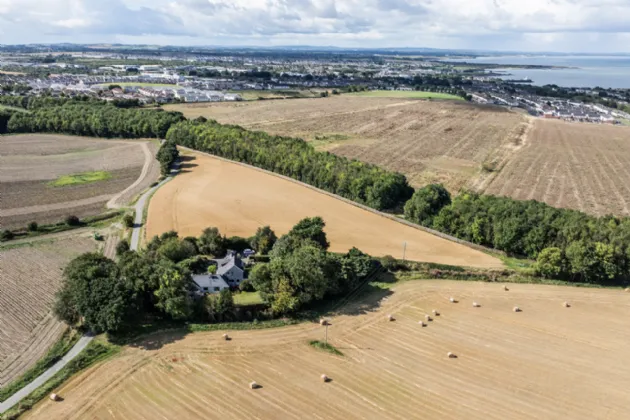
[(579, 25)]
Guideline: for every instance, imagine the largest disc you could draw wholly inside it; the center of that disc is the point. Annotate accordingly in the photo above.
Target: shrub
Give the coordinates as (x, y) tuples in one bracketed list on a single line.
[(6, 235), (32, 227), (128, 221), (73, 221), (122, 247), (550, 263), (246, 286), (389, 263)]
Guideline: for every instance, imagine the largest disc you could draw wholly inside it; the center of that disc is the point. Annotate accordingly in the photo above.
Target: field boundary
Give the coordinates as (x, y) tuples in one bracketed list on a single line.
[(361, 206)]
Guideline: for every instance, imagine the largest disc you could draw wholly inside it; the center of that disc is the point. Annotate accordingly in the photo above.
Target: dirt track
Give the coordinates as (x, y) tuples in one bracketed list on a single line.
[(547, 362), (238, 200)]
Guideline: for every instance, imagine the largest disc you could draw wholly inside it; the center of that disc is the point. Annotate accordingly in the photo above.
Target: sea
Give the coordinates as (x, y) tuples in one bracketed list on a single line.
[(583, 70)]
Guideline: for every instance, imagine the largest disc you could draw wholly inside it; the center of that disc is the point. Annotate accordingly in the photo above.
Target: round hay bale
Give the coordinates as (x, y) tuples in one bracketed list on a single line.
[(325, 378), (428, 318), (54, 397), (506, 288), (390, 318), (476, 305), (435, 312), (517, 309), (566, 305), (452, 299), (422, 324), (451, 355), (226, 337), (323, 322), (253, 385)]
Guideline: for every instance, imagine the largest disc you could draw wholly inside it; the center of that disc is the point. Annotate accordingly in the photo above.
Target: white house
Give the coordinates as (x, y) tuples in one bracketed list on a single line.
[(231, 269), (209, 283)]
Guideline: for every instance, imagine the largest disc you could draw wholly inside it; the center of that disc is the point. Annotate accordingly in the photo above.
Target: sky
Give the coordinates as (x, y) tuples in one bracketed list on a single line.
[(504, 25)]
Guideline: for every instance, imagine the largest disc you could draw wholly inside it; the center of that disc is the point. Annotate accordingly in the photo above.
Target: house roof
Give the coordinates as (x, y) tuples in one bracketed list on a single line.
[(231, 260), (209, 281)]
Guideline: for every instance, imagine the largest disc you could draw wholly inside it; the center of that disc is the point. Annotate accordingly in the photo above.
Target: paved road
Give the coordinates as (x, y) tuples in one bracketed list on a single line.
[(44, 377), (85, 340)]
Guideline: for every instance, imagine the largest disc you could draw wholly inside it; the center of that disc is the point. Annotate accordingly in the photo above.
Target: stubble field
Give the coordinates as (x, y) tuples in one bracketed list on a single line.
[(429, 141), (29, 278), (547, 362), (579, 166), (239, 199), (30, 163)]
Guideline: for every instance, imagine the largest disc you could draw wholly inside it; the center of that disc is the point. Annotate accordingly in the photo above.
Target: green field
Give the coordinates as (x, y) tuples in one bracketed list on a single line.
[(82, 178), (247, 299), (413, 94)]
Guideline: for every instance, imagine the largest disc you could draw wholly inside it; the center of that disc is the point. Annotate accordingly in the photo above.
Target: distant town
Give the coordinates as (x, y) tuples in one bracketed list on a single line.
[(170, 75)]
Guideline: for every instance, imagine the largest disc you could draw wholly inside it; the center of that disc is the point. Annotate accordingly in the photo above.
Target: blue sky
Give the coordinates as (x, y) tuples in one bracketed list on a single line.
[(517, 25)]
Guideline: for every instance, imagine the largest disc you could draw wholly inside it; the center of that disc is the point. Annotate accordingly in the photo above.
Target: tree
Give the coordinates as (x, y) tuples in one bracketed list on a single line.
[(426, 203), (173, 292), (128, 221), (211, 242), (122, 247), (167, 155), (311, 229), (73, 221), (32, 227), (219, 306), (551, 263), (92, 288), (264, 240), (177, 250)]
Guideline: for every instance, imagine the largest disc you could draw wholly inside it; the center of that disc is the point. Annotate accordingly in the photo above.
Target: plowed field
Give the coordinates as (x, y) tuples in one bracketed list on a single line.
[(547, 362), (429, 141), (580, 166), (239, 199), (28, 163), (29, 278)]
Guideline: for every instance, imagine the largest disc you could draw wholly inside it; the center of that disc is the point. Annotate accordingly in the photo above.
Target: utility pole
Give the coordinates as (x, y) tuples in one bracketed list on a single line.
[(404, 250)]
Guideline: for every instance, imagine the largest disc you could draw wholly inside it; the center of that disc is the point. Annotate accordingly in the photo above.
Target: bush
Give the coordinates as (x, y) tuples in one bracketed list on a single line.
[(389, 263), (551, 263), (246, 286), (128, 221), (32, 227), (73, 221), (6, 235)]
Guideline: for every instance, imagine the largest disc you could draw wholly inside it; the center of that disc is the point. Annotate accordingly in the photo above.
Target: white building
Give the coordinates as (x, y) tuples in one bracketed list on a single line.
[(209, 283)]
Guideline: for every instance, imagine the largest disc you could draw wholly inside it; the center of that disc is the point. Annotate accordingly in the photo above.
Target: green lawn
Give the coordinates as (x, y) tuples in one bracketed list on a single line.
[(82, 178), (247, 299), (413, 94)]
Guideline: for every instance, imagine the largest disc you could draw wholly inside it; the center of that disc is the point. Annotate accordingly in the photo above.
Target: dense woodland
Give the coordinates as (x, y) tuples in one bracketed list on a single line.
[(567, 244), (109, 296), (96, 120), (357, 181)]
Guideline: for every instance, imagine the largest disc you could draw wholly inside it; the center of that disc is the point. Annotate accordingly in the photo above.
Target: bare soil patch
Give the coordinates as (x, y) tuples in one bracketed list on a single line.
[(30, 277), (579, 166), (403, 135), (239, 199), (546, 362), (28, 163)]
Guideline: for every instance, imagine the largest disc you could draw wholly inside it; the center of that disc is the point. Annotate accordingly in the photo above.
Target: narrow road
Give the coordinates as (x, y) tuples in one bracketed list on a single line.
[(85, 340), (44, 377)]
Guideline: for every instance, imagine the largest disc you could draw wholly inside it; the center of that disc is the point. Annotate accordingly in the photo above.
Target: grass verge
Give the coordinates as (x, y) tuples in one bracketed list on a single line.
[(247, 299), (96, 351), (80, 178), (325, 347), (56, 352)]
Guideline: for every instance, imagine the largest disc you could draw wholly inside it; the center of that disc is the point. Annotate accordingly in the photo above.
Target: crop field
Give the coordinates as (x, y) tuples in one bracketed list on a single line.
[(45, 178), (429, 141), (239, 199), (579, 166), (546, 362), (414, 94), (31, 275)]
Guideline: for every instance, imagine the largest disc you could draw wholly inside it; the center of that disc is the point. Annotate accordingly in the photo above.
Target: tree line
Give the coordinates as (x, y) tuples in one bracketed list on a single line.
[(114, 296), (567, 244), (36, 102), (95, 120), (292, 157)]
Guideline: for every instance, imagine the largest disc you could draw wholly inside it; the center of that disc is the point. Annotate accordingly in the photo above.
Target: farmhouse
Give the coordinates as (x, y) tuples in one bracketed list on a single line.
[(209, 283), (231, 269)]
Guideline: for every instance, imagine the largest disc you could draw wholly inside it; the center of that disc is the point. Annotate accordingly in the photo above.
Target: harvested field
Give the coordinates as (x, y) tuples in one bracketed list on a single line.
[(429, 141), (238, 199), (31, 275), (579, 166), (547, 362), (29, 164)]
